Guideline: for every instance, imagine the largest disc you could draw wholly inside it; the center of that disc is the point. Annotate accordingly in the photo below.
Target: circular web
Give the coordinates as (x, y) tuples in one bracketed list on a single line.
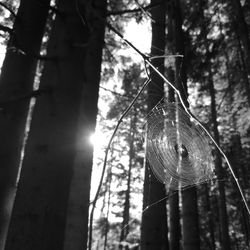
[(178, 150)]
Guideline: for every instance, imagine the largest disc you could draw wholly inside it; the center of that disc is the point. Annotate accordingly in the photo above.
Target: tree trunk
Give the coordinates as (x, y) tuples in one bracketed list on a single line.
[(77, 220), (190, 219), (173, 200), (58, 146), (154, 219), (220, 172), (109, 181), (225, 240), (16, 82), (210, 218), (125, 222), (242, 29), (243, 67)]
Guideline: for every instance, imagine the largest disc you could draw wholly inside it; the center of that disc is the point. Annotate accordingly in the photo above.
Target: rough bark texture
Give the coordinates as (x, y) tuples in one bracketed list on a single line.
[(58, 145), (154, 220), (16, 82)]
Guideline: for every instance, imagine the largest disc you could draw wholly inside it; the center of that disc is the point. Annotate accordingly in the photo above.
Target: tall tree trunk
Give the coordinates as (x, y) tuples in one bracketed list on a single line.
[(16, 82), (173, 200), (242, 29), (210, 218), (77, 220), (109, 181), (154, 220), (220, 171), (58, 145), (225, 240), (190, 219), (243, 67), (125, 222)]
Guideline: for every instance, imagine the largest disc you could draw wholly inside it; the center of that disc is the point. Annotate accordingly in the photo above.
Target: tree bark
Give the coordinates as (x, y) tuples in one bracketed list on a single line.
[(220, 171), (210, 218), (173, 200), (125, 222), (190, 219), (154, 219), (225, 240), (16, 81), (242, 29), (58, 146)]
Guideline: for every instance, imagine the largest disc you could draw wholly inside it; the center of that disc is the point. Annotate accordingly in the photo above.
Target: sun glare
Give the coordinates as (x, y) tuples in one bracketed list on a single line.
[(98, 140), (92, 139)]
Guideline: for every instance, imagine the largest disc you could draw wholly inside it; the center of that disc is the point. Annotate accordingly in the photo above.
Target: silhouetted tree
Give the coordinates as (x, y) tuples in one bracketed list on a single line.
[(16, 86), (51, 206), (154, 220)]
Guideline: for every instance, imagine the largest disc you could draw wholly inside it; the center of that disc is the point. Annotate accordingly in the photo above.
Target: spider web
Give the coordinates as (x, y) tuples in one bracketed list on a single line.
[(178, 150)]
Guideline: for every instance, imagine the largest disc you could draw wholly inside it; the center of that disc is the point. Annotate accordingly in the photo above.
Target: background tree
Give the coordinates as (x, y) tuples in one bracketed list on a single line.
[(125, 160), (154, 220)]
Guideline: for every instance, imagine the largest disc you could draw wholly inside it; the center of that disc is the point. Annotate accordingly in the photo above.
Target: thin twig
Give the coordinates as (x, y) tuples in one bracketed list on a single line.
[(6, 29), (115, 93), (144, 11), (106, 158), (34, 93), (165, 56), (131, 11)]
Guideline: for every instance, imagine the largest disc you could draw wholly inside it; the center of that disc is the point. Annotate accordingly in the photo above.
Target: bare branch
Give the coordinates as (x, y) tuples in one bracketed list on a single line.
[(9, 9), (135, 10), (6, 29), (34, 93)]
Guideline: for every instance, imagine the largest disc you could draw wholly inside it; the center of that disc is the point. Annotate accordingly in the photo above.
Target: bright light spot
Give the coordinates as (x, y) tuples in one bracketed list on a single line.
[(98, 140), (92, 139), (139, 34)]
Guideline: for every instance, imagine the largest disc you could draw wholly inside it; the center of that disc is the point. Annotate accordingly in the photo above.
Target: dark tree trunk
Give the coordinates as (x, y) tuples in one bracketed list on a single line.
[(58, 146), (174, 222), (225, 240), (236, 157), (243, 67), (16, 83), (242, 29), (154, 220), (210, 218), (219, 170), (190, 219), (173, 201)]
